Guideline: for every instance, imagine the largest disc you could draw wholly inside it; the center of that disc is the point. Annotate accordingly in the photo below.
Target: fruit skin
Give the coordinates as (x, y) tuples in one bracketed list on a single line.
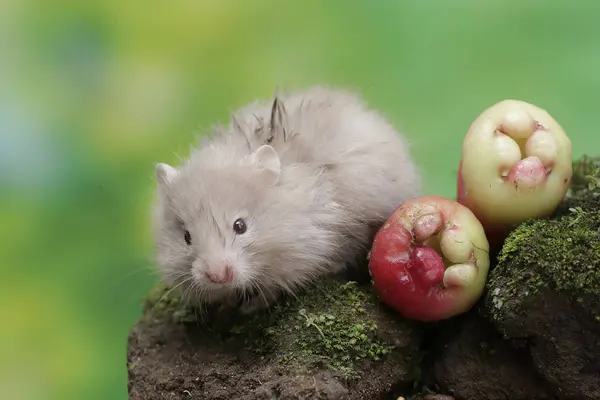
[(430, 260), (525, 144)]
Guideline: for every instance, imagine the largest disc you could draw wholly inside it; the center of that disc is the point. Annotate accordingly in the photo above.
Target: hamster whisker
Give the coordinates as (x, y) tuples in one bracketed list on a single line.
[(291, 290), (256, 285), (200, 308), (171, 290), (275, 282)]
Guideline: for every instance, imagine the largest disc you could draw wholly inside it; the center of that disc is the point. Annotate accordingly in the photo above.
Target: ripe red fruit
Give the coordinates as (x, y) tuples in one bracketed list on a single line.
[(430, 260)]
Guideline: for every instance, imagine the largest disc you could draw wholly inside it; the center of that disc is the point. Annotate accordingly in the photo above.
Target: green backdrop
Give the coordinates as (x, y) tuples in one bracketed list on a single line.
[(92, 94)]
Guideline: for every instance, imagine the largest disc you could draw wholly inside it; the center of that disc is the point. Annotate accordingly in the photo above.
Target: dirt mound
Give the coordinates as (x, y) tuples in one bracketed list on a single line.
[(337, 342)]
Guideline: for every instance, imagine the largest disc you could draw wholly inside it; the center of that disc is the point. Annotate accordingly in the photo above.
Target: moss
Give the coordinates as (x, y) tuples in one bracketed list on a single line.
[(161, 301), (328, 327), (562, 254), (584, 192), (586, 170)]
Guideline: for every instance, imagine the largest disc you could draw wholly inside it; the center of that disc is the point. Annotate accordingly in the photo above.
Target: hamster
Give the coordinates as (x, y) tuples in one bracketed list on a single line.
[(293, 189)]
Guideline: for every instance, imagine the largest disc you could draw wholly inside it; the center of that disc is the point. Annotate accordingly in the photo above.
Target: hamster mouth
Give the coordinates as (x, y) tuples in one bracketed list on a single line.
[(235, 296)]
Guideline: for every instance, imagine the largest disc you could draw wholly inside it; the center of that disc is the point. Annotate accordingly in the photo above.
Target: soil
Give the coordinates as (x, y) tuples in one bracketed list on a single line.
[(475, 363), (561, 337)]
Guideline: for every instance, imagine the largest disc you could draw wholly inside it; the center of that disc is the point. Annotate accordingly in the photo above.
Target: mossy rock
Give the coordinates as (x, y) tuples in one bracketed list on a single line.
[(562, 255), (334, 341), (544, 294)]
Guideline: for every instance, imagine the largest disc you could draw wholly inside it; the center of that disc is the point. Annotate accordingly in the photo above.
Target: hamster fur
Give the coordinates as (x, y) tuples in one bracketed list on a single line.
[(291, 190)]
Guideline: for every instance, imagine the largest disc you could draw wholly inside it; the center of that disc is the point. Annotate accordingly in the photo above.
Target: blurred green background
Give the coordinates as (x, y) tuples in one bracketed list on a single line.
[(93, 93)]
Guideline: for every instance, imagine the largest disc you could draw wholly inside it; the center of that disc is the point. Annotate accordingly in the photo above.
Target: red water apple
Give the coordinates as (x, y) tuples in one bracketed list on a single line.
[(516, 164), (430, 260)]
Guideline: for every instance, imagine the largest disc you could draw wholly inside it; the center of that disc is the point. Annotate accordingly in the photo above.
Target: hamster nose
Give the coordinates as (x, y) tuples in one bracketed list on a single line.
[(220, 275)]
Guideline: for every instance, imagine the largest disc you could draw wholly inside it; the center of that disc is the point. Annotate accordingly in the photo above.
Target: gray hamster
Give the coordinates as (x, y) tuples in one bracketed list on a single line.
[(291, 190)]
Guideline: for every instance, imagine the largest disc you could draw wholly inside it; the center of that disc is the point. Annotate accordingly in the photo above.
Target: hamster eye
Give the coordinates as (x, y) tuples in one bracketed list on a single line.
[(188, 237), (239, 226)]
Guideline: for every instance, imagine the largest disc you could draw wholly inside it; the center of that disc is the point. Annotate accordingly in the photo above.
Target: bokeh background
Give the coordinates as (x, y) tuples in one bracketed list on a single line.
[(94, 93)]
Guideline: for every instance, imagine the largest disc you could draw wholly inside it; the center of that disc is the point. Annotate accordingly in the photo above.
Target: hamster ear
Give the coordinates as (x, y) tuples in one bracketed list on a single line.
[(165, 174), (266, 159)]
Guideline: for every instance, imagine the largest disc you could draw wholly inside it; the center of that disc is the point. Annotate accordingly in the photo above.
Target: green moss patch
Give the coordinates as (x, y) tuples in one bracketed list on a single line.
[(162, 301), (586, 172), (584, 193), (332, 328)]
